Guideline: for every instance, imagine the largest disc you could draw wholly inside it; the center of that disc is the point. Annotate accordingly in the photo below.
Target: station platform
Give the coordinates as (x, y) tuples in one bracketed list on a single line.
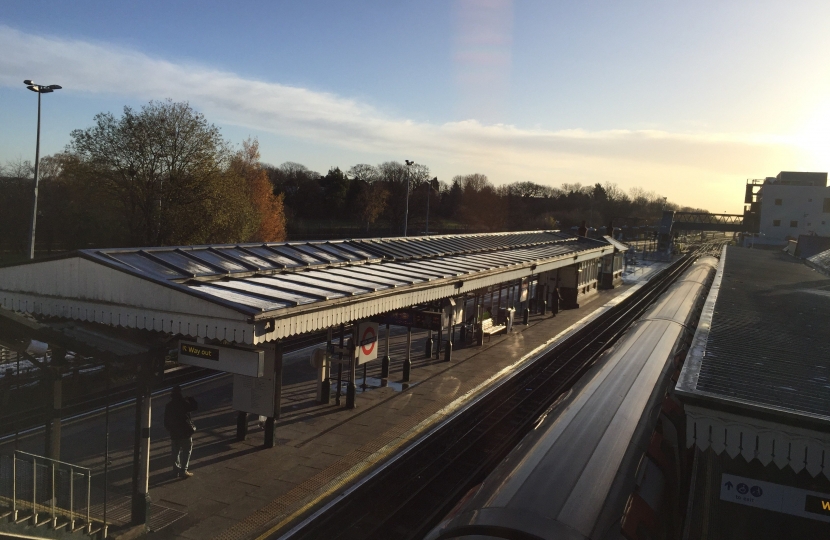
[(240, 490)]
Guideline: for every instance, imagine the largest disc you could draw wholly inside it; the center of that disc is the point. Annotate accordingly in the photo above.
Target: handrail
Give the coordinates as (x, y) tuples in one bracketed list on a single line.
[(43, 458), (57, 510)]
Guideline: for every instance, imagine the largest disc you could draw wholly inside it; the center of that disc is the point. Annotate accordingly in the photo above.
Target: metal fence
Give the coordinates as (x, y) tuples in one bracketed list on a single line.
[(45, 491)]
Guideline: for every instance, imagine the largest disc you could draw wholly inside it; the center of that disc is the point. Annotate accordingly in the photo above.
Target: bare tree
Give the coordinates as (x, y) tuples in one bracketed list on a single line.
[(364, 173), (165, 165), (18, 168)]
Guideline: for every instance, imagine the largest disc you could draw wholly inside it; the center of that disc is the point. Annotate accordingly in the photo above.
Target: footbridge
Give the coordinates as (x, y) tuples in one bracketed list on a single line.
[(704, 221)]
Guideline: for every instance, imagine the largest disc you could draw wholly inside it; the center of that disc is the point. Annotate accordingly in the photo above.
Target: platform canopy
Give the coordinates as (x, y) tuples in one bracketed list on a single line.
[(756, 381), (622, 248), (253, 293)]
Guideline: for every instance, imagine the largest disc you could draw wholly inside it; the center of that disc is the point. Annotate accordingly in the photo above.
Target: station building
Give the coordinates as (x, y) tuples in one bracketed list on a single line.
[(756, 394), (789, 205)]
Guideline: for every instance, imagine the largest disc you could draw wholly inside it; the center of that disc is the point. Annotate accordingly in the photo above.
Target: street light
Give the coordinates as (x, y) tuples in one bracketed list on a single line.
[(406, 212), (431, 185), (40, 89)]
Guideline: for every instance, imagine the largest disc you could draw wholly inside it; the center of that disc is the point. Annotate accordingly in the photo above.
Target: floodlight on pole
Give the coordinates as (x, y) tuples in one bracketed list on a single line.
[(40, 89), (409, 164)]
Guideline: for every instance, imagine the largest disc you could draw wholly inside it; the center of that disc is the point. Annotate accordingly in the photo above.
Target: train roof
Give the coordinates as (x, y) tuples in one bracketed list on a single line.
[(681, 298), (571, 476), (563, 480)]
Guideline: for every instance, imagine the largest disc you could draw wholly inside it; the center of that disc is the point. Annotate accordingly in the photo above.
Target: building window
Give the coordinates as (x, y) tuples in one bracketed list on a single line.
[(779, 202), (809, 200), (826, 208), (776, 222), (793, 224)]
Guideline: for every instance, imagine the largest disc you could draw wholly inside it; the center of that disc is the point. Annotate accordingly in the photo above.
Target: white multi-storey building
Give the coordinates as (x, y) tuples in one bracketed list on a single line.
[(792, 204)]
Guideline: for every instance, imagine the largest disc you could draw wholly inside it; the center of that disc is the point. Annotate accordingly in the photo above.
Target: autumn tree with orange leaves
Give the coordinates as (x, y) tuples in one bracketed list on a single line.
[(268, 208)]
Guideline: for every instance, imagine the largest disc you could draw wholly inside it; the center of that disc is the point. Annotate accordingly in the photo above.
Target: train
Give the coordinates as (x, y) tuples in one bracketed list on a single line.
[(606, 460)]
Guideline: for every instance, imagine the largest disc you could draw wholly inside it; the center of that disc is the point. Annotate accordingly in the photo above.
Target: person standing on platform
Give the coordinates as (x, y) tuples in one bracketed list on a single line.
[(178, 423), (556, 301)]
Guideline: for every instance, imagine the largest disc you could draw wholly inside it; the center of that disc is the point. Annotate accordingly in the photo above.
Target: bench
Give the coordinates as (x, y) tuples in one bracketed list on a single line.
[(488, 329)]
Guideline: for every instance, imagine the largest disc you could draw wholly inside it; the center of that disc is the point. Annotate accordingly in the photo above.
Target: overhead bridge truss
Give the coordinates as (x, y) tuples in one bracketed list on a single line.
[(702, 221)]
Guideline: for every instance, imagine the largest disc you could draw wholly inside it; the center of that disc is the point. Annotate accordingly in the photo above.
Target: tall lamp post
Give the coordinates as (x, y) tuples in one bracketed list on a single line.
[(409, 164), (431, 185), (40, 89)]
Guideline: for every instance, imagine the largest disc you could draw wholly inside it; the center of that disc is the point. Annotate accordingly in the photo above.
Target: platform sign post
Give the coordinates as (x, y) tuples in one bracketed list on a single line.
[(367, 342), (452, 313), (260, 395), (241, 361), (351, 388)]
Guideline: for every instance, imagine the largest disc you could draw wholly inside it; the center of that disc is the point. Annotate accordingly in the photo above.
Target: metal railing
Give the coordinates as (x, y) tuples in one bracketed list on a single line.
[(47, 492)]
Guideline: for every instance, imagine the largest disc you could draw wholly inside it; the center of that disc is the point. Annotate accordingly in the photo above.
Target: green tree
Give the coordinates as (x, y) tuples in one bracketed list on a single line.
[(165, 165), (335, 186)]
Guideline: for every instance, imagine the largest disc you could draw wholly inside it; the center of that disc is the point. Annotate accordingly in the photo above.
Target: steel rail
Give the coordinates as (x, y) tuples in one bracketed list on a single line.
[(27, 419), (407, 499)]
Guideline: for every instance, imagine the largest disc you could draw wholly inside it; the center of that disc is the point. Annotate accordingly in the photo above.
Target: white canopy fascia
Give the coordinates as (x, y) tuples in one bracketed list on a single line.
[(753, 438)]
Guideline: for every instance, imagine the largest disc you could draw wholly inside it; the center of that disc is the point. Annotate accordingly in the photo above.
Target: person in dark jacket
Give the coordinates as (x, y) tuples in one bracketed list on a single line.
[(178, 423)]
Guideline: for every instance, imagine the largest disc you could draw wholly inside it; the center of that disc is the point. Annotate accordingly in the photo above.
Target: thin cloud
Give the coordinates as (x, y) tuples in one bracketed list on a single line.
[(505, 152)]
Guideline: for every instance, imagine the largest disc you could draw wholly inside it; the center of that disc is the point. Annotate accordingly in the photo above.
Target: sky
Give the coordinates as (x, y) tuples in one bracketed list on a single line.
[(686, 99)]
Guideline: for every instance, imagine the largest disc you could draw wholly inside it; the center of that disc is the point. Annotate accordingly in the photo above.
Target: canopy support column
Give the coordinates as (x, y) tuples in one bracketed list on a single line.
[(141, 451), (384, 366), (270, 423), (407, 363)]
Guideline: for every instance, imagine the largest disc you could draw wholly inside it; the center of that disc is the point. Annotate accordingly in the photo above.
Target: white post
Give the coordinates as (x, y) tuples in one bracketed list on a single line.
[(144, 460)]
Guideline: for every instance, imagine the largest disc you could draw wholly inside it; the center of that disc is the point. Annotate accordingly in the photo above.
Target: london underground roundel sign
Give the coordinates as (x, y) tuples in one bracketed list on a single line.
[(368, 340), (367, 334)]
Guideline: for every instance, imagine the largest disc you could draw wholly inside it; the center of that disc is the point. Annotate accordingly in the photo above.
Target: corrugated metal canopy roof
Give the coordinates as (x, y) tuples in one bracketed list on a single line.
[(763, 343), (298, 286), (189, 262)]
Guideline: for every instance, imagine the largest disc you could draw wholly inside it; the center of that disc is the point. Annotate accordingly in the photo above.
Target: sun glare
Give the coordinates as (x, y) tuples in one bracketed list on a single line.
[(814, 138)]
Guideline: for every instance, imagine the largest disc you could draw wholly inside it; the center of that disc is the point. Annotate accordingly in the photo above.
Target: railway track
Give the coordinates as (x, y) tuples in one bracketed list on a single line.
[(405, 499), (27, 419)]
